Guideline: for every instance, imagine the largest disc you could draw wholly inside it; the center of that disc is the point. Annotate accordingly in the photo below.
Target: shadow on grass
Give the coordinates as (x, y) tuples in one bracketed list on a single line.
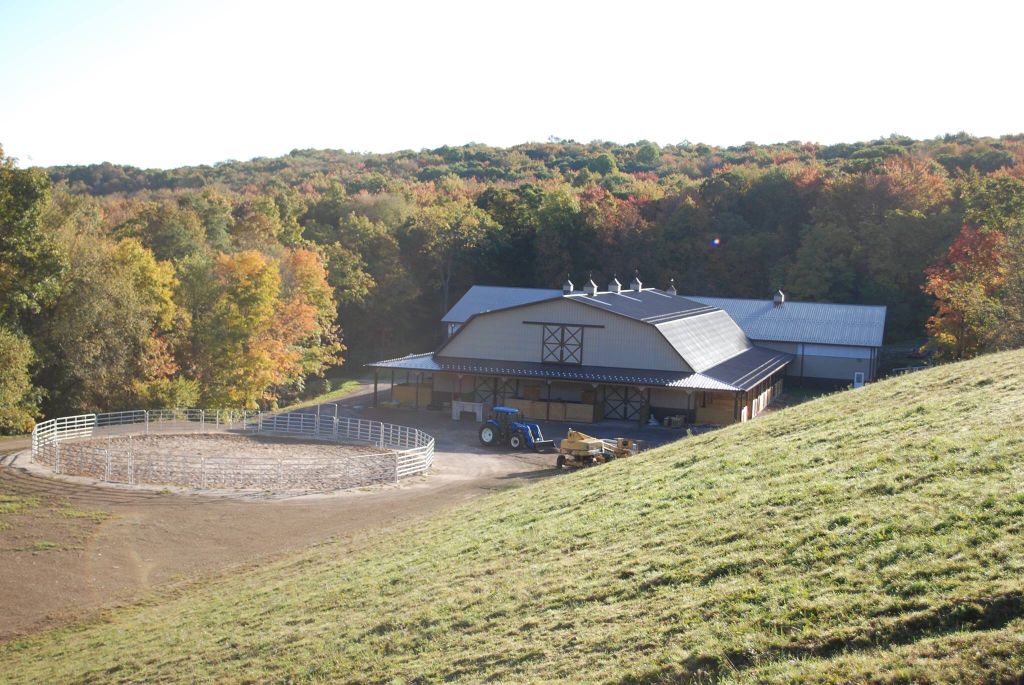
[(987, 613)]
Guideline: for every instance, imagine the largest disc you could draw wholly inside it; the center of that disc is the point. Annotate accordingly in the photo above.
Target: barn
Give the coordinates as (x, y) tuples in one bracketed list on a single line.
[(590, 355), (830, 343)]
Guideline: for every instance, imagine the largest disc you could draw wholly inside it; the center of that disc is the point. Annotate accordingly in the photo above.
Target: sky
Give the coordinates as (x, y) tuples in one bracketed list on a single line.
[(166, 84)]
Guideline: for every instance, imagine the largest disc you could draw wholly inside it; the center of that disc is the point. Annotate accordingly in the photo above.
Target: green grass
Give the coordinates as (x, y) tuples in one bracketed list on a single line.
[(346, 387), (13, 504), (875, 535), (97, 516)]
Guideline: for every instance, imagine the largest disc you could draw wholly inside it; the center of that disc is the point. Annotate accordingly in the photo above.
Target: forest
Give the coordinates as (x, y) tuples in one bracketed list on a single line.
[(241, 284)]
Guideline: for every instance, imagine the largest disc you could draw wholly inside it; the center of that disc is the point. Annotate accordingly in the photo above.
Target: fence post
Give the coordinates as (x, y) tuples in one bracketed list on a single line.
[(202, 472), (106, 475), (146, 414), (56, 458), (280, 471), (396, 468)]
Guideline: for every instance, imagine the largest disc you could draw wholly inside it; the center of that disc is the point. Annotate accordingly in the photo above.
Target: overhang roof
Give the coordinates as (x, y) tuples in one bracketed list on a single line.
[(741, 372), (804, 322)]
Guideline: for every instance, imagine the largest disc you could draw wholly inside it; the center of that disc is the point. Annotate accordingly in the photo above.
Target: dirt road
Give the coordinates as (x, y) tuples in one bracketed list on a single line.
[(73, 548)]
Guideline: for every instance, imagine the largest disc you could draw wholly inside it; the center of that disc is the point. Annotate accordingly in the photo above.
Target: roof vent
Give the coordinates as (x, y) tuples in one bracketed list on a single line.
[(614, 286), (635, 284), (590, 288), (779, 298), (672, 287), (567, 287)]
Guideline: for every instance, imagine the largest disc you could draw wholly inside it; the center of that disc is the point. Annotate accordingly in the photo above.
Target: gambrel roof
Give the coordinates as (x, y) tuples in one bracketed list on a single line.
[(483, 298), (701, 335)]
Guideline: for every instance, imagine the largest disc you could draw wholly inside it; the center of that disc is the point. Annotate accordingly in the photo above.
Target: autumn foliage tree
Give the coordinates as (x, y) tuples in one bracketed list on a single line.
[(979, 287), (255, 335), (969, 314)]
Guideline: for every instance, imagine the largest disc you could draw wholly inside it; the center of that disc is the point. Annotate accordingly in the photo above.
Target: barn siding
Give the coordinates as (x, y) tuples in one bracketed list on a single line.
[(837, 368), (670, 398), (718, 408), (621, 343), (830, 362)]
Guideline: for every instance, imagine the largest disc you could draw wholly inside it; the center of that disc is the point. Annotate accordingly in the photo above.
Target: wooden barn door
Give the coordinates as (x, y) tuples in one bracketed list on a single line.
[(483, 390)]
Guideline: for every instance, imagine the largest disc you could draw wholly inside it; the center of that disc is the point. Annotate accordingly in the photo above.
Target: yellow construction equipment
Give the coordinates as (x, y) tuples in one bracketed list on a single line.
[(580, 449)]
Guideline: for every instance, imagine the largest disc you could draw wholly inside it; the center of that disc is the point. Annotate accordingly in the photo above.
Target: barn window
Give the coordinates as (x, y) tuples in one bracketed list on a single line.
[(562, 345)]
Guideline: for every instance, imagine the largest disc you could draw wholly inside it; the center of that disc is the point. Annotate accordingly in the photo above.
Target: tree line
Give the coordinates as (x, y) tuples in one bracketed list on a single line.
[(229, 285)]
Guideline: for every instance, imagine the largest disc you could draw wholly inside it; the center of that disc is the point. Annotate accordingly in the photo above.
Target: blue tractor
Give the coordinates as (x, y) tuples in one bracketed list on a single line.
[(506, 426)]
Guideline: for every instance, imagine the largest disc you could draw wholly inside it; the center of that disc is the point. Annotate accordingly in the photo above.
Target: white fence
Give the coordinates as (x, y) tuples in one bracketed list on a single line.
[(72, 445)]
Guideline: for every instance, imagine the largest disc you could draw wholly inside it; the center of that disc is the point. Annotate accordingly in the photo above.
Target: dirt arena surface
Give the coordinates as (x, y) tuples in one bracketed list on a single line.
[(74, 547), (229, 460)]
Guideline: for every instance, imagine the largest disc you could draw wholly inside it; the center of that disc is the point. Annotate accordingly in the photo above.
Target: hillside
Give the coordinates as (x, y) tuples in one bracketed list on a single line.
[(871, 535)]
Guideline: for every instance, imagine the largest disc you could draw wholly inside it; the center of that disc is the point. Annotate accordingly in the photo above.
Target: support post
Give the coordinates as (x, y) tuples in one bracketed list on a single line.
[(419, 379), (547, 404), (376, 376)]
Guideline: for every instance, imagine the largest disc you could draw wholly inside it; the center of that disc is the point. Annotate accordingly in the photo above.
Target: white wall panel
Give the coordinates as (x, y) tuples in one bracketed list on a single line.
[(621, 342)]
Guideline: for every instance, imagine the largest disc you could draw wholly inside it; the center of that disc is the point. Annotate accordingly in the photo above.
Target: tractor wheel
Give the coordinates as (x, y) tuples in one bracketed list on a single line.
[(560, 462), (608, 456), (488, 436), (516, 441)]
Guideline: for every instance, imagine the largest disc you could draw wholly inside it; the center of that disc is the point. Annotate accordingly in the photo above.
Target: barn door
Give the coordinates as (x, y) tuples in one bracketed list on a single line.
[(506, 390), (623, 403), (483, 390)]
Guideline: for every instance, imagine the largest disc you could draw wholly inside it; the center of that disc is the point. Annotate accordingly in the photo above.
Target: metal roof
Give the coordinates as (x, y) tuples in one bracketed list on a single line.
[(748, 368), (804, 322), (741, 372), (648, 305), (484, 298), (705, 340)]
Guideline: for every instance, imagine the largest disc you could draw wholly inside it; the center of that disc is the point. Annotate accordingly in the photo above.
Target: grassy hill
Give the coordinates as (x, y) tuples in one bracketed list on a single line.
[(872, 535)]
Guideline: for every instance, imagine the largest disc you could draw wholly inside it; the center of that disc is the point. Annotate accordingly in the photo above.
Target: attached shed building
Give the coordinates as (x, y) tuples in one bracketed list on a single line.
[(829, 342), (591, 355)]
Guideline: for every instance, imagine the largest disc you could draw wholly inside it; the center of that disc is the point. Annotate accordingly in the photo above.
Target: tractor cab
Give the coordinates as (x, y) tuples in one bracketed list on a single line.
[(507, 427)]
